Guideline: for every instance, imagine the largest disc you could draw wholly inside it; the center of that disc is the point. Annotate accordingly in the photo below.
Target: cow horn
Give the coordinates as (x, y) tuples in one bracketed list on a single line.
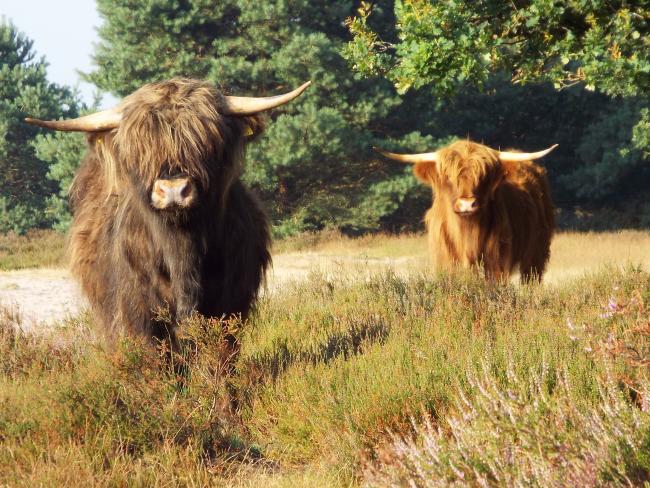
[(110, 119), (431, 157), (517, 156), (253, 105), (97, 122)]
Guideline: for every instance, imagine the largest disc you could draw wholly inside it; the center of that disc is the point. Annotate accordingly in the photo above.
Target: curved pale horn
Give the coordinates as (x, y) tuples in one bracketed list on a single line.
[(431, 157), (253, 105), (516, 156), (97, 122)]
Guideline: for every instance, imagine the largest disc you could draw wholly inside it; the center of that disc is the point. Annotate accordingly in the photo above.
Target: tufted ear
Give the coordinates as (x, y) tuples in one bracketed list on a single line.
[(426, 172), (252, 126)]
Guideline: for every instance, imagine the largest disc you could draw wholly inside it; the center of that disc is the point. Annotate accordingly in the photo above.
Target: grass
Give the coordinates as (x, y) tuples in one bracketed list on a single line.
[(569, 250), (36, 249), (574, 252), (571, 253), (371, 245), (543, 439), (386, 381)]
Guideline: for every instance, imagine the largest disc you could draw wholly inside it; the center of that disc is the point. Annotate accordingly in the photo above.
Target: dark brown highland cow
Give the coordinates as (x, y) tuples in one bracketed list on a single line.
[(490, 207), (161, 218)]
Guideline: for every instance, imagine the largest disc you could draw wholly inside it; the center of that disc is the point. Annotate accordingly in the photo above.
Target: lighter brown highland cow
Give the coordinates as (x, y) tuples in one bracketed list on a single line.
[(490, 208), (161, 219)]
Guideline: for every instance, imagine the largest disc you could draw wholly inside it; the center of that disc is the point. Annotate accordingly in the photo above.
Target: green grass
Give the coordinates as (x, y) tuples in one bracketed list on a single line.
[(337, 381), (36, 249)]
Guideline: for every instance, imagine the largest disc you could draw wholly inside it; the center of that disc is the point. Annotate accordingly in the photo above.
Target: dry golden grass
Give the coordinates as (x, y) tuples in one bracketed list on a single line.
[(572, 253), (371, 245), (36, 249)]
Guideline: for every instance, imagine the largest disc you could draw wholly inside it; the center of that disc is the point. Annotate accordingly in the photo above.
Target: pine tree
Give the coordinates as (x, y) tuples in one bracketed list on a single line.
[(25, 190), (314, 167)]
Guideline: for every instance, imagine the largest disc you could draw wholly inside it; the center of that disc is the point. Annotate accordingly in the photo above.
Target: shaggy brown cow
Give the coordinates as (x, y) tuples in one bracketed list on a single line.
[(161, 217), (490, 207)]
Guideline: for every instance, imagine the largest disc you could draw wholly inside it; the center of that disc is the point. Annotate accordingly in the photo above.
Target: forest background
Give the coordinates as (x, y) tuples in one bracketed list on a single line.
[(406, 75)]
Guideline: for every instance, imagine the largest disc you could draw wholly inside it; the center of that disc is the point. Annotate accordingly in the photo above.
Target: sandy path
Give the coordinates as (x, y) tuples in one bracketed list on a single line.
[(45, 296), (40, 295)]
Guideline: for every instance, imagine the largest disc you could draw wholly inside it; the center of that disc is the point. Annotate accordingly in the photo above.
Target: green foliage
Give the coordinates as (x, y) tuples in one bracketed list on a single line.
[(62, 151), (18, 217), (446, 48), (314, 167), (611, 144), (446, 44), (641, 132), (25, 91)]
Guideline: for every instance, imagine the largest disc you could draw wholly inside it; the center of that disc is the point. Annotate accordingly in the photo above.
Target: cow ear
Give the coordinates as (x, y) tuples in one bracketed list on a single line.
[(426, 172), (252, 126)]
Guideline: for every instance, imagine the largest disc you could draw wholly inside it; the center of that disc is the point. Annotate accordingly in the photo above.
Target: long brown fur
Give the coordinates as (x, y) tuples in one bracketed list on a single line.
[(131, 259), (515, 222)]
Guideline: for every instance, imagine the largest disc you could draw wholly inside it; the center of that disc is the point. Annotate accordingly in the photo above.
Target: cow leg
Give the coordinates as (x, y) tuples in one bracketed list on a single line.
[(533, 269), (500, 272), (497, 262), (532, 272), (444, 257), (497, 275)]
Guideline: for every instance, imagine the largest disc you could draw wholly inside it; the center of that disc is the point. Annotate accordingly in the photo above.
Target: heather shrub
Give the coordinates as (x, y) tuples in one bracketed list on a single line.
[(346, 379), (531, 429)]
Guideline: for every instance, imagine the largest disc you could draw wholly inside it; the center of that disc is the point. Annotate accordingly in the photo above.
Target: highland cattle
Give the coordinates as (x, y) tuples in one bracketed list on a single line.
[(490, 208), (161, 218)]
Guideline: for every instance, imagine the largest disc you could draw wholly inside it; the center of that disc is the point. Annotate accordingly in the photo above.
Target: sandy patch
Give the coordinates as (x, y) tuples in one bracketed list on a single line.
[(46, 296), (42, 297)]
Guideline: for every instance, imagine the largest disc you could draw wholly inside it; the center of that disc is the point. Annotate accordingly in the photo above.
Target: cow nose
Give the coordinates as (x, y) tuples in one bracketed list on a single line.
[(173, 192), (466, 205)]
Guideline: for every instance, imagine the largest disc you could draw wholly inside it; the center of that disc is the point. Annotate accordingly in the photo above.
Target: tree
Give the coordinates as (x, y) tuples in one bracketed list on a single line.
[(62, 152), (600, 43), (25, 190), (314, 167), (603, 46)]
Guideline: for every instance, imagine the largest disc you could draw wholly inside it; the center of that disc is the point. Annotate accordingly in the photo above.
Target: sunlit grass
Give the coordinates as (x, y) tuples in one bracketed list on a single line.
[(371, 245), (570, 250), (36, 249), (572, 253), (349, 379)]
